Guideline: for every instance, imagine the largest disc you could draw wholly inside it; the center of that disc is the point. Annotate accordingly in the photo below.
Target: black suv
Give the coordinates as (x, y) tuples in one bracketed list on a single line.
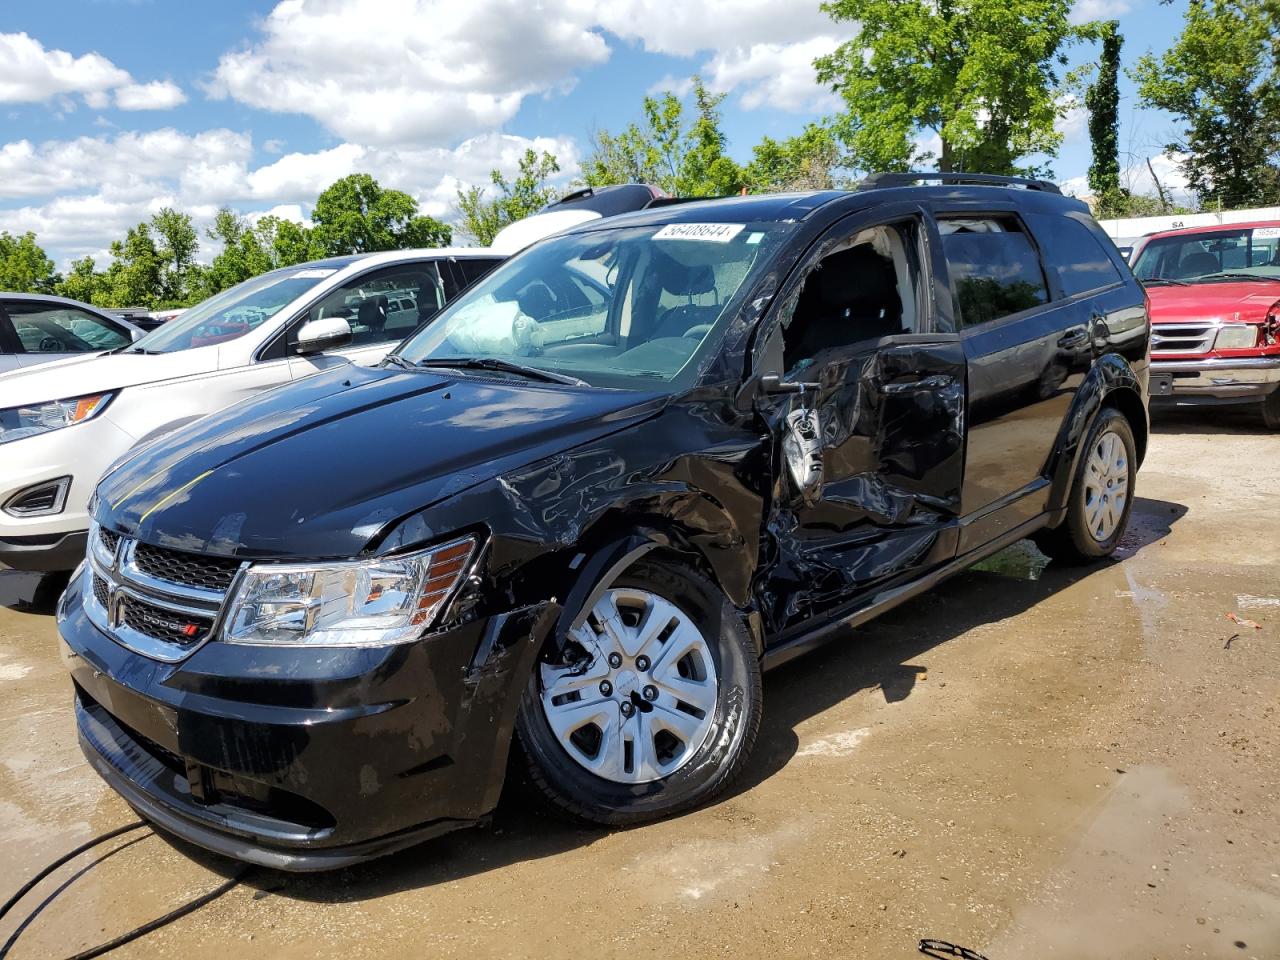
[(585, 506)]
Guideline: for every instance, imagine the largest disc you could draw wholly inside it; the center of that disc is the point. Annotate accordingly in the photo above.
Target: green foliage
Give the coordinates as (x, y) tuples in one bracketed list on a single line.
[(484, 215), (180, 275), (356, 215), (133, 279), (1102, 100), (1221, 79), (82, 282), (980, 74), (807, 161), (685, 158), (24, 266)]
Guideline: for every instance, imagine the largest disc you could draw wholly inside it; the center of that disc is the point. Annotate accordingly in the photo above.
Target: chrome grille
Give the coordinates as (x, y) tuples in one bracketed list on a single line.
[(188, 569), (101, 592), (1183, 337), (158, 602), (109, 540), (162, 623)]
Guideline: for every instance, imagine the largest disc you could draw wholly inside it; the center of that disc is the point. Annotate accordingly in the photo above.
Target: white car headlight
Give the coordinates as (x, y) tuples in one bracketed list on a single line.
[(375, 602), (1236, 336), (19, 422)]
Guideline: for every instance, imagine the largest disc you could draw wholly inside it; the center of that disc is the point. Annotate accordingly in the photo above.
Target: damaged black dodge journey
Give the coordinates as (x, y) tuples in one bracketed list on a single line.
[(569, 521)]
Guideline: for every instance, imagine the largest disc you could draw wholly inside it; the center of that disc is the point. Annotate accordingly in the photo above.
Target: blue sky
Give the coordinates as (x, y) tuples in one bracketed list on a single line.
[(113, 108)]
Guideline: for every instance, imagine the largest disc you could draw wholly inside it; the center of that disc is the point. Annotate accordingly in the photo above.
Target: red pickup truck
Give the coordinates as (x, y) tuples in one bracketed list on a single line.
[(1215, 315)]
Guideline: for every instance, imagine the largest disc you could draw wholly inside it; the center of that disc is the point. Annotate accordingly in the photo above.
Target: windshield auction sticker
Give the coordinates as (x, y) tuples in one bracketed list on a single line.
[(706, 232)]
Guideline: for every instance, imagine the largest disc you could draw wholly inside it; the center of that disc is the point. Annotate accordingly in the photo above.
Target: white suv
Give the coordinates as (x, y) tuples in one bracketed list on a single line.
[(63, 424)]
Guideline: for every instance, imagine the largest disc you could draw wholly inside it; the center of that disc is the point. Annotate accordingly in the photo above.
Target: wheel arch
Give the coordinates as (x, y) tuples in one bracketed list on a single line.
[(1111, 382), (621, 537)]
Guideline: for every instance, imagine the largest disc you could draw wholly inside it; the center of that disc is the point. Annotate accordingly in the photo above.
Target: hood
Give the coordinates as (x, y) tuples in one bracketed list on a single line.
[(1212, 301), (318, 469), (99, 373)]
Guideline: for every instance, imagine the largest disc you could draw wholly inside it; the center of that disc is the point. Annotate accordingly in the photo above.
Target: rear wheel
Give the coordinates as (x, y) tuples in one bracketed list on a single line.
[(652, 708), (1101, 494), (1271, 410)]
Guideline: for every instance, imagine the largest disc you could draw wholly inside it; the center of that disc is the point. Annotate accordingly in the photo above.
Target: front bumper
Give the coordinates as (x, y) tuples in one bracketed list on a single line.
[(1215, 379), (305, 759), (43, 553)]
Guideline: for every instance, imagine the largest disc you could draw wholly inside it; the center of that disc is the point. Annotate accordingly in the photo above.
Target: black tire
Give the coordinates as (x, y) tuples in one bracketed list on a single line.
[(1072, 541), (1271, 411), (572, 790)]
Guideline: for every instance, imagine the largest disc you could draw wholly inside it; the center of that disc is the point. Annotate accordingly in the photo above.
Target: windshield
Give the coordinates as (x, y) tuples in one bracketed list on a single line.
[(235, 311), (1212, 255), (620, 307)]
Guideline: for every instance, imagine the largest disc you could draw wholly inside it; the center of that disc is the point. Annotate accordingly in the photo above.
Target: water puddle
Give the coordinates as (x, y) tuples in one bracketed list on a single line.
[(1020, 561)]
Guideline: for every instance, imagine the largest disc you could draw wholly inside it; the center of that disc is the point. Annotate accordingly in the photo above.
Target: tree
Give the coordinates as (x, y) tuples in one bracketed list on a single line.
[(82, 282), (981, 75), (356, 215), (807, 161), (1102, 100), (133, 279), (1220, 80), (484, 215), (24, 266), (685, 159), (179, 276)]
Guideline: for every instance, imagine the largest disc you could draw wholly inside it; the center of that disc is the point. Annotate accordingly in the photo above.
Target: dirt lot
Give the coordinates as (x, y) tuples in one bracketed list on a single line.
[(1032, 762)]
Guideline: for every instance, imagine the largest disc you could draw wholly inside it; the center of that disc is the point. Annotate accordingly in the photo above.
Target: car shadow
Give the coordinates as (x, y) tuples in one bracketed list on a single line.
[(1227, 419), (32, 592), (879, 656)]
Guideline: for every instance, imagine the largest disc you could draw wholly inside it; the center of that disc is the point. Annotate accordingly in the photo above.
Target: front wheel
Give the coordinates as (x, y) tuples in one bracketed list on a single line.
[(1271, 410), (1101, 494), (652, 708)]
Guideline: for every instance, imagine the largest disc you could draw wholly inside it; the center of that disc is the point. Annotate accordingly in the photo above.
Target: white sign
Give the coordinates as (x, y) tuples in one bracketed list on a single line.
[(1266, 233), (707, 232)]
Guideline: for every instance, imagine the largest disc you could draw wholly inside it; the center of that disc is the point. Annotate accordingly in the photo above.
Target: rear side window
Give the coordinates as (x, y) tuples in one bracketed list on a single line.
[(53, 328), (1075, 254), (995, 270)]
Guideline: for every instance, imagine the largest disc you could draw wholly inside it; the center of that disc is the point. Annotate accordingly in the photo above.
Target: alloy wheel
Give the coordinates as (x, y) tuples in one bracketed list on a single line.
[(1106, 486), (640, 701)]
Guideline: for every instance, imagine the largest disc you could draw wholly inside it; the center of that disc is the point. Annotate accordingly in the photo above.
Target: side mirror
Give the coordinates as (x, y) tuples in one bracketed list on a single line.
[(326, 333)]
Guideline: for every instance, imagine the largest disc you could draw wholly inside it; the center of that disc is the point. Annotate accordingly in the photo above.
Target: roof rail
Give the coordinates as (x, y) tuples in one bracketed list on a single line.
[(880, 181)]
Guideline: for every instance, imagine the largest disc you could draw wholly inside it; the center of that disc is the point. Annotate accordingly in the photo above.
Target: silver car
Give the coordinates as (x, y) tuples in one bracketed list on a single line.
[(35, 329)]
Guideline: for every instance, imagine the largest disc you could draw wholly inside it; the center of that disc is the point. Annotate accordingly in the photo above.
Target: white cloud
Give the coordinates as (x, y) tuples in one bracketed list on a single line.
[(685, 29), (157, 95), (30, 73), (409, 71), (81, 194), (1086, 10), (1137, 178), (394, 72), (778, 75)]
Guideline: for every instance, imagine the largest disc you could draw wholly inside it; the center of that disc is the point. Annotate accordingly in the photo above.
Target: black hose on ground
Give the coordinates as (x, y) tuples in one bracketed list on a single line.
[(131, 935)]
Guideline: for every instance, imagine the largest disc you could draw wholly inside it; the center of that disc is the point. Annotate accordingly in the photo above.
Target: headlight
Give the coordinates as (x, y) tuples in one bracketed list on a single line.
[(19, 422), (1236, 336), (361, 603)]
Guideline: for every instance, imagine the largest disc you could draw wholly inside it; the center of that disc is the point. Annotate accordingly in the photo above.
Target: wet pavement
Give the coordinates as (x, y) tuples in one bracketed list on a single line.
[(1032, 761)]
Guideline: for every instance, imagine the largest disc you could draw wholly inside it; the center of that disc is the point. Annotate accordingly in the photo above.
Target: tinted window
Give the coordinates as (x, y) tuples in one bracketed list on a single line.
[(386, 305), (53, 328), (995, 270), (1075, 254), (473, 270)]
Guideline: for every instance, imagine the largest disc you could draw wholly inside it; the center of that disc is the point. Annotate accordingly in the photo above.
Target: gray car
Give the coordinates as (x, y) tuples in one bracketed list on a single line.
[(36, 329)]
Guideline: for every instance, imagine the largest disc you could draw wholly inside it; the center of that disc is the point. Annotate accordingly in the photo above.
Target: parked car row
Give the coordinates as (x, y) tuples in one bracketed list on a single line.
[(577, 508)]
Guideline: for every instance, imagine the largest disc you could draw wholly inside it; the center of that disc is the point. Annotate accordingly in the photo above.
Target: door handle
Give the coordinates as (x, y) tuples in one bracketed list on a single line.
[(1074, 338), (937, 381)]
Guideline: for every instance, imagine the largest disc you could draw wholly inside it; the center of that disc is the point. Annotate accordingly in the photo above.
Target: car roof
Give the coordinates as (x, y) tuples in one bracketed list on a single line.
[(1214, 228), (379, 256), (802, 206)]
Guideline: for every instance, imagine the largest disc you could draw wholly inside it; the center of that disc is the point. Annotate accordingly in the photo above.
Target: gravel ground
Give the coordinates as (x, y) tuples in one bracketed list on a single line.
[(1032, 761)]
